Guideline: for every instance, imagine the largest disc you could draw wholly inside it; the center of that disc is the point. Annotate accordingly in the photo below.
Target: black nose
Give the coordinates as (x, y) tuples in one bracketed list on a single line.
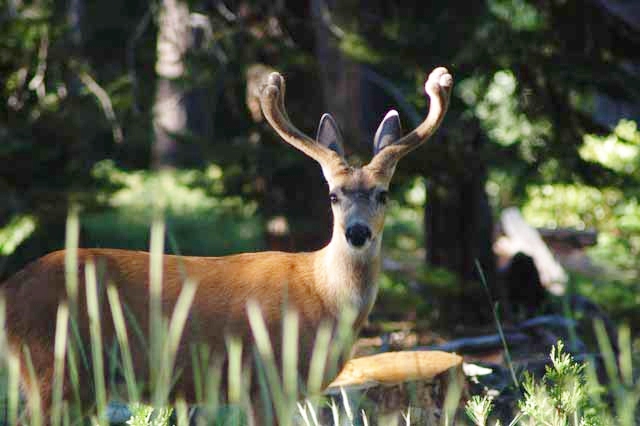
[(358, 234)]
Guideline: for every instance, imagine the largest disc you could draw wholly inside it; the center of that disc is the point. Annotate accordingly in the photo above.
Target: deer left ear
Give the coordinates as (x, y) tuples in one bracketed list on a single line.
[(329, 134), (388, 132)]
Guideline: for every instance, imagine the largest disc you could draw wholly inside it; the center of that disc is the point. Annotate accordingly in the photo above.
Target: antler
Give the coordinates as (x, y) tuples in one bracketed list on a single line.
[(272, 102), (438, 87)]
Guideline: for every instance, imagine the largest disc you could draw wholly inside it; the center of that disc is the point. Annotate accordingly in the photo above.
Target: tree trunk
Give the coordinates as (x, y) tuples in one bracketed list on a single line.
[(170, 110), (459, 225), (340, 76)]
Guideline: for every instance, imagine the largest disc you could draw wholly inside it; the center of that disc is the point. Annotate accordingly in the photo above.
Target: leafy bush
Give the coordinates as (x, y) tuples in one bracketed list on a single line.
[(569, 393), (614, 211), (201, 218)]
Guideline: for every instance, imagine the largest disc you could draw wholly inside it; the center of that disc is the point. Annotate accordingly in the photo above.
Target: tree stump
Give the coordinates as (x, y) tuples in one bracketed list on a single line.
[(394, 383)]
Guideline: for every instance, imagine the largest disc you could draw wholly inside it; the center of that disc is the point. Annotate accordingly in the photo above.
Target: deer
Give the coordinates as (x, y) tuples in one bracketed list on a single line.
[(318, 284)]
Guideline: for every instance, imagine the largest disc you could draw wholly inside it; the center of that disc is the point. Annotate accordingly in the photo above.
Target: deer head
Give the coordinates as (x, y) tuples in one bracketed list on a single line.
[(358, 194)]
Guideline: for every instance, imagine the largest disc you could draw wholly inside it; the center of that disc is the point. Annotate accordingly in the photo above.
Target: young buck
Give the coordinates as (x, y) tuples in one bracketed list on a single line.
[(317, 284)]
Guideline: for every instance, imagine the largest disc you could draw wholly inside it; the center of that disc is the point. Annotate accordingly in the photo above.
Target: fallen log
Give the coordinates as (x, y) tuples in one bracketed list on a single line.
[(522, 237)]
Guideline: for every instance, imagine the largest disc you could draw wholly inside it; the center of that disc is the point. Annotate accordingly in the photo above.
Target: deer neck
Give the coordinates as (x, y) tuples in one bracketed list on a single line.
[(349, 276)]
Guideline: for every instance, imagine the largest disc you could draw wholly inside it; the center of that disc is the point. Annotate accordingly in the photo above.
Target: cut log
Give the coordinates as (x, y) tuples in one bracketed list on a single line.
[(394, 382)]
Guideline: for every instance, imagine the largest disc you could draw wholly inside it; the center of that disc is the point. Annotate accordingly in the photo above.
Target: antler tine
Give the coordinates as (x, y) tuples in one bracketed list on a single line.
[(438, 87), (272, 102)]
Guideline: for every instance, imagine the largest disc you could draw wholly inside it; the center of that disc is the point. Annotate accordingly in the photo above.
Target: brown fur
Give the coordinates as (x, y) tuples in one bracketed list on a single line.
[(224, 285)]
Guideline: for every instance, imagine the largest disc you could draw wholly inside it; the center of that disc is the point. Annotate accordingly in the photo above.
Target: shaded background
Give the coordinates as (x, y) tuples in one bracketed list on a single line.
[(128, 107)]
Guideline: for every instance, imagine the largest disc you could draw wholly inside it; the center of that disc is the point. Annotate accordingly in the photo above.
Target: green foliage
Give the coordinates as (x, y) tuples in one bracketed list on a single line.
[(201, 218), (618, 151), (562, 397), (519, 14), (395, 295), (613, 211), (358, 49), (145, 415), (404, 228), (613, 214), (498, 108), (572, 205), (180, 191), (478, 409), (618, 296), (15, 232)]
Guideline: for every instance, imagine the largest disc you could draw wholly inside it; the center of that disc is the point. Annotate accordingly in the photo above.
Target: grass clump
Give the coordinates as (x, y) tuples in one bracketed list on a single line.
[(145, 415), (568, 394), (560, 398)]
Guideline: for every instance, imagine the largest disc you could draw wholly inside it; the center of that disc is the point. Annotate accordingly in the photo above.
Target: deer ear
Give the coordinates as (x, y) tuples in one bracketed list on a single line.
[(388, 132), (329, 134)]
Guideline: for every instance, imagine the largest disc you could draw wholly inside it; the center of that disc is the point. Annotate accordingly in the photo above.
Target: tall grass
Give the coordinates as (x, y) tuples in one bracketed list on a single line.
[(59, 353), (156, 321), (570, 393), (13, 394), (100, 388), (123, 344), (279, 381), (75, 358)]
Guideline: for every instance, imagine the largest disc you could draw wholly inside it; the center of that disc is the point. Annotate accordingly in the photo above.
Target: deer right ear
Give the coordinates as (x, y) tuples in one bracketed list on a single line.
[(388, 132), (329, 134)]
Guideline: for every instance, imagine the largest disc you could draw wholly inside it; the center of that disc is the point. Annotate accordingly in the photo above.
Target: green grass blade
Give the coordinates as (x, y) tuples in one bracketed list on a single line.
[(75, 348), (265, 350), (607, 352), (516, 419), (76, 343), (72, 366), (66, 417), (290, 340), (172, 343), (265, 395), (346, 405), (566, 310), (4, 354), (625, 358), (212, 387), (341, 344), (156, 321), (312, 412), (234, 372), (335, 412), (452, 398), (72, 239), (496, 317), (13, 393), (3, 334), (97, 357), (59, 355), (302, 410), (406, 417), (137, 330), (35, 404), (200, 360), (182, 413), (365, 419), (318, 362), (123, 342)]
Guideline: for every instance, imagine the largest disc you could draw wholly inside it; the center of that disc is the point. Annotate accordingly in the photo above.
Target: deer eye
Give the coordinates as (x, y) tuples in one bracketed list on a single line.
[(382, 197), (333, 198)]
